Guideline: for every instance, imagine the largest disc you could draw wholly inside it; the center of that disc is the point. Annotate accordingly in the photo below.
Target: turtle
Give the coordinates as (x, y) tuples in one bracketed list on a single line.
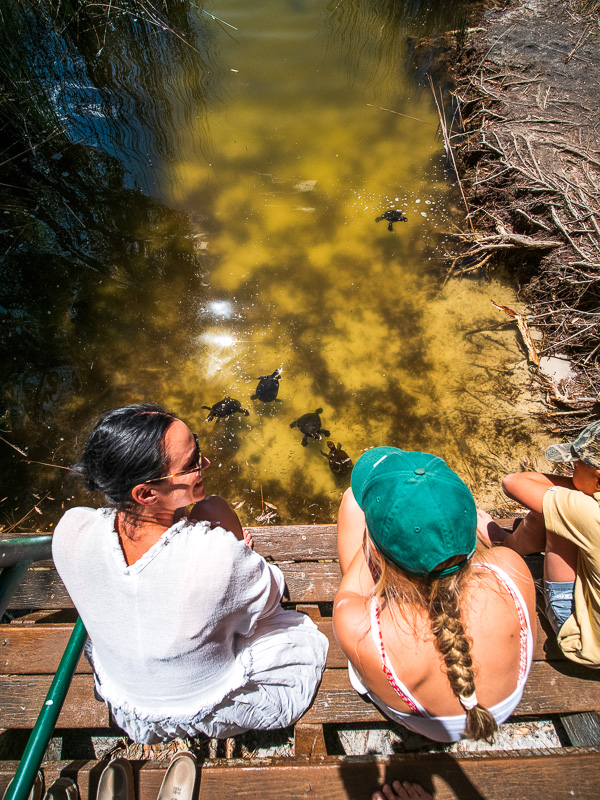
[(310, 425), (268, 386), (394, 215), (339, 460), (224, 409)]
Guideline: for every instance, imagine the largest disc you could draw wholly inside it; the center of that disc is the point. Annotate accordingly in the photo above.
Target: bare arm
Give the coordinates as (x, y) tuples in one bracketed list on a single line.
[(350, 530), (529, 488), (350, 617), (350, 610)]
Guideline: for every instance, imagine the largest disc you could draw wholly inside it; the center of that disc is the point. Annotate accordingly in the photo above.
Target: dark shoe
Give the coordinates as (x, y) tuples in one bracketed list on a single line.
[(116, 781), (180, 777), (62, 789)]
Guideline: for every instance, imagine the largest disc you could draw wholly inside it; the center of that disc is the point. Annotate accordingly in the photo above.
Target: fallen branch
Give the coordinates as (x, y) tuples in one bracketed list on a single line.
[(532, 220), (503, 241), (563, 230), (524, 330)]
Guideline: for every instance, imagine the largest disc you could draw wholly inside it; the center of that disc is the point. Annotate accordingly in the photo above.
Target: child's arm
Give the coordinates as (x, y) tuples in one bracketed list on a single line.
[(529, 488)]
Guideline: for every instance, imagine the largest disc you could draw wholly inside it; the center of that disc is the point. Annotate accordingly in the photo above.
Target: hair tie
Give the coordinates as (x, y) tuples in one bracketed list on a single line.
[(468, 702)]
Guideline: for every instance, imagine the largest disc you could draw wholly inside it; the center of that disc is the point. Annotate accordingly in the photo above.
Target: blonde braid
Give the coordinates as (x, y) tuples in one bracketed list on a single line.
[(455, 648)]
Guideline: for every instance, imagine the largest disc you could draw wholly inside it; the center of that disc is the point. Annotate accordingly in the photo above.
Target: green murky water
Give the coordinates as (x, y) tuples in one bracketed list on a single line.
[(273, 145)]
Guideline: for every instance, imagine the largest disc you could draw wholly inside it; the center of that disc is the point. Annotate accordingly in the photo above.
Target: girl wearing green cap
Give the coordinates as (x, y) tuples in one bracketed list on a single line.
[(437, 635)]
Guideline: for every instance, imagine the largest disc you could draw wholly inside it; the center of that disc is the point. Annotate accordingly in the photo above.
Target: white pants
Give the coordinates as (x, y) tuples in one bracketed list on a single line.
[(284, 659)]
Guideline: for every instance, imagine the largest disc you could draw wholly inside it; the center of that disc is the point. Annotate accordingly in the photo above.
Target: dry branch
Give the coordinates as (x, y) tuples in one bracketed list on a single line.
[(504, 241), (524, 330)]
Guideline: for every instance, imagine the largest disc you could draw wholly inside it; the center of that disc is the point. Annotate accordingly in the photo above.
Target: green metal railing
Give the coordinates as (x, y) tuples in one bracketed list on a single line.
[(16, 555)]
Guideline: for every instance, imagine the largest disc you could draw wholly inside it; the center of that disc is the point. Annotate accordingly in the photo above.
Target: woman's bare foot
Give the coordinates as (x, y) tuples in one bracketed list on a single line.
[(401, 791), (248, 538), (488, 531)]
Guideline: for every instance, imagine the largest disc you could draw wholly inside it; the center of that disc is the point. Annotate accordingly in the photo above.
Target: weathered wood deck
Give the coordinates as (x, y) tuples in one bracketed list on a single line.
[(31, 647)]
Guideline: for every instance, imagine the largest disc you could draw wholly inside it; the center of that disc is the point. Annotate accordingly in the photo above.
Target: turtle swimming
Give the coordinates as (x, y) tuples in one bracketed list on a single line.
[(339, 460), (268, 386), (394, 215), (310, 425), (224, 409)]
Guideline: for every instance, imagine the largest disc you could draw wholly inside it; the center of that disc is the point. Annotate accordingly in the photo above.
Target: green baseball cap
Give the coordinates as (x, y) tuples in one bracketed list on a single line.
[(586, 447), (419, 513)]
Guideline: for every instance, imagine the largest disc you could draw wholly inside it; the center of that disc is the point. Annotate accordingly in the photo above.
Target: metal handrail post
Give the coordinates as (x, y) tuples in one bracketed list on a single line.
[(44, 727), (16, 556), (9, 582)]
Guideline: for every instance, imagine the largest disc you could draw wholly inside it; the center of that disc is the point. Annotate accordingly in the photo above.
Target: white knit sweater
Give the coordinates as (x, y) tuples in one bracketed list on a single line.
[(167, 631)]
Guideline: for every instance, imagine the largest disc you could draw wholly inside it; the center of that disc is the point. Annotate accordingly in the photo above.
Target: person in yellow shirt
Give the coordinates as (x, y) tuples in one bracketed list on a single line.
[(564, 523)]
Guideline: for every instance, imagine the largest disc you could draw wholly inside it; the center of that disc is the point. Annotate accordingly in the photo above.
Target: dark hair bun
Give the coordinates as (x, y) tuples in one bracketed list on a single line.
[(125, 448)]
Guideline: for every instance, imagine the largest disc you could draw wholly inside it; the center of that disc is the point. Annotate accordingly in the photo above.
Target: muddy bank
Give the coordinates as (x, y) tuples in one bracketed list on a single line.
[(528, 153)]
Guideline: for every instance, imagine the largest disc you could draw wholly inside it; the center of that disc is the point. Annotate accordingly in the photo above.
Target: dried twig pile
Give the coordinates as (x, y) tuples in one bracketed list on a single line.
[(530, 162)]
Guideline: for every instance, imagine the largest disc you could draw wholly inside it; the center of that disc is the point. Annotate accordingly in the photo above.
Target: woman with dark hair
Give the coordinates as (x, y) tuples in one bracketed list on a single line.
[(187, 633), (424, 618)]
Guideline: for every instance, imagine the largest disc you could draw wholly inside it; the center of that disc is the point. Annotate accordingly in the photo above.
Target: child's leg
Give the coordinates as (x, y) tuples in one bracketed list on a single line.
[(560, 571), (529, 537), (532, 536), (560, 561)]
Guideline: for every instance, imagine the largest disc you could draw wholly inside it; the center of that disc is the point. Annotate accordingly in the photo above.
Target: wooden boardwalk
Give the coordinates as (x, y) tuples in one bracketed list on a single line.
[(31, 647)]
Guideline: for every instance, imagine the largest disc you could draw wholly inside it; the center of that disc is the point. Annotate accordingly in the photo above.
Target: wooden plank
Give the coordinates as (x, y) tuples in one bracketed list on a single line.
[(582, 729), (312, 583), (21, 698), (557, 688), (560, 774), (41, 588), (546, 646), (65, 616), (309, 740), (307, 583), (552, 688), (35, 649), (292, 542), (283, 542), (296, 542), (494, 777)]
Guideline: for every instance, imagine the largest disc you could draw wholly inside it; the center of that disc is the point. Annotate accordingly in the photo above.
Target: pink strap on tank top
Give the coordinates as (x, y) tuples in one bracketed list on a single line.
[(523, 626), (386, 666), (388, 670)]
